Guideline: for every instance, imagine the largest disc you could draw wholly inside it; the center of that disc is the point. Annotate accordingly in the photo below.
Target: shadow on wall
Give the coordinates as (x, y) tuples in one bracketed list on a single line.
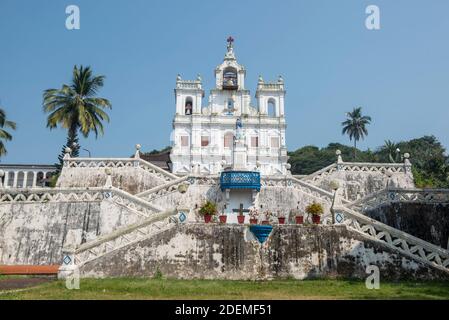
[(429, 222)]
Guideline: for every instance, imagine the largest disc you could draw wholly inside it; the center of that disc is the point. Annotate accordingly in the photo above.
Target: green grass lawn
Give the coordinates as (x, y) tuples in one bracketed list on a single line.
[(145, 288)]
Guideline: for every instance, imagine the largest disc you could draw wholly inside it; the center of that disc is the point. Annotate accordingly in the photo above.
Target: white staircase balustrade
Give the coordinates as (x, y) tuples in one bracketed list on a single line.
[(390, 195), (119, 163), (405, 243), (123, 237)]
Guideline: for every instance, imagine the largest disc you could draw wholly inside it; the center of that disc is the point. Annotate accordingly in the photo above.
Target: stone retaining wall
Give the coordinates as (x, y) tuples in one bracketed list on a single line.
[(192, 251), (427, 221)]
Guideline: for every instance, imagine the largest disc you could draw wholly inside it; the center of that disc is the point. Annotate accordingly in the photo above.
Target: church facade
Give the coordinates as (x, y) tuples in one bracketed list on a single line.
[(229, 132)]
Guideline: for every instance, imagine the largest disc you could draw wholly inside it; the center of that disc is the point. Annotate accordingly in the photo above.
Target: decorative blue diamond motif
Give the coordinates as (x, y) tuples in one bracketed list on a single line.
[(182, 217), (339, 217), (67, 260)]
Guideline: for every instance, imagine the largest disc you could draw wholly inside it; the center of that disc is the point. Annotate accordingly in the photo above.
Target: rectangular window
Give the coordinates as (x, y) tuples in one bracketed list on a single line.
[(254, 142), (274, 142), (228, 140), (184, 141), (204, 141)]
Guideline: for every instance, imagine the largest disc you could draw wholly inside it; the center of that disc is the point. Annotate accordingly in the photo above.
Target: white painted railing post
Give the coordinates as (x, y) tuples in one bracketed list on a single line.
[(108, 183), (66, 157), (25, 179), (34, 179), (68, 266), (339, 160), (407, 163), (137, 155), (16, 176), (6, 181)]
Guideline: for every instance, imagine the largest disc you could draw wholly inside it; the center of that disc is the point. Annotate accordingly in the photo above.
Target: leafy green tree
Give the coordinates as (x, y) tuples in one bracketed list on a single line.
[(430, 161), (428, 157), (355, 126), (5, 135), (77, 108)]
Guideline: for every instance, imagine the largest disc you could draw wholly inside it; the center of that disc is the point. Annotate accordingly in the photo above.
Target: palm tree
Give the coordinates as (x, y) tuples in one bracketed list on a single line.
[(5, 135), (391, 148), (355, 126), (77, 108)]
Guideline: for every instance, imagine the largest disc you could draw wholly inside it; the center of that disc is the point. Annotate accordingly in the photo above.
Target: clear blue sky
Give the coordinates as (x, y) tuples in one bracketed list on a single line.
[(329, 60)]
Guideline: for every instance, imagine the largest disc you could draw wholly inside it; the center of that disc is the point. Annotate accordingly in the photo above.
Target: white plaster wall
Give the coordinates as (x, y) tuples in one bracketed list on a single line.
[(35, 232), (130, 179), (356, 185)]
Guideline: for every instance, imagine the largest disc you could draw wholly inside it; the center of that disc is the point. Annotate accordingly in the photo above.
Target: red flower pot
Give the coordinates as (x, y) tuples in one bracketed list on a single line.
[(265, 222), (316, 218), (299, 219), (207, 218), (281, 220), (223, 218), (253, 221), (241, 219)]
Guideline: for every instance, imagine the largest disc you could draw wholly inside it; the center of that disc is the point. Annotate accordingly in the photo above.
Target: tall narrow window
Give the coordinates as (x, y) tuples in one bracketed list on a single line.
[(188, 106), (271, 108), (254, 142), (184, 141), (204, 141), (274, 142), (230, 108), (228, 140)]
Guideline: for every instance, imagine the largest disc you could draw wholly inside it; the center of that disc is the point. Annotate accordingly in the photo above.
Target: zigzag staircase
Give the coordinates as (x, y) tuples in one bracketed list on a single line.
[(123, 237), (156, 221)]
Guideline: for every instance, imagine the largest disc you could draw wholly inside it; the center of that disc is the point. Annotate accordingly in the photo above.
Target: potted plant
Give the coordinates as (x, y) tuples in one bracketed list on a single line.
[(267, 215), (208, 209), (281, 218), (299, 216), (253, 214), (316, 210), (241, 218), (223, 217)]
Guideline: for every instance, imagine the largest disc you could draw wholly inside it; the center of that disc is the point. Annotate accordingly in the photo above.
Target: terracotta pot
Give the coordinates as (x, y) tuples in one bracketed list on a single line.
[(207, 218), (241, 219), (253, 221), (265, 222), (316, 218), (299, 219), (281, 220), (223, 218)]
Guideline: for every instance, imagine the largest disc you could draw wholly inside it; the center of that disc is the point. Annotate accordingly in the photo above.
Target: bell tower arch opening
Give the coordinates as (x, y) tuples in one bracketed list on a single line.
[(271, 108), (230, 81)]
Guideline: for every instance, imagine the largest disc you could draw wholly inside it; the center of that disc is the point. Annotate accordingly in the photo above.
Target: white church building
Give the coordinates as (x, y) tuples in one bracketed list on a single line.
[(229, 132)]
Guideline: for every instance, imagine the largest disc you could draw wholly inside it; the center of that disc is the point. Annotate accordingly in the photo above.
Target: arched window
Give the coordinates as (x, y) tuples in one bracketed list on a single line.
[(271, 107), (228, 140), (40, 179), (230, 78), (10, 179), (188, 106)]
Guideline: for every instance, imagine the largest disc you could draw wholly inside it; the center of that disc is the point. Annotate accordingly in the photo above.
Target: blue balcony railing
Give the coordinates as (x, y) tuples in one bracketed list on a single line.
[(240, 180)]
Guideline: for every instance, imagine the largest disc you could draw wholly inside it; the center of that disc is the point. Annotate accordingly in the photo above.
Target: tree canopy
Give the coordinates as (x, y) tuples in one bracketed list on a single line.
[(428, 157)]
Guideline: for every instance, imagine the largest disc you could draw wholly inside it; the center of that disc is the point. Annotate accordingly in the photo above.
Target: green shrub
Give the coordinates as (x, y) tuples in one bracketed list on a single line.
[(209, 208), (315, 209)]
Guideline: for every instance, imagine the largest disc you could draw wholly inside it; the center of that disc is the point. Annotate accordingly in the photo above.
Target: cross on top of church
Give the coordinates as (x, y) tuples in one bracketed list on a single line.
[(230, 40)]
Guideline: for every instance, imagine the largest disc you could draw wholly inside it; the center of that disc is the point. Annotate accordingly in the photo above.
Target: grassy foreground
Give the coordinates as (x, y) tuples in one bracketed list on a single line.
[(144, 288)]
